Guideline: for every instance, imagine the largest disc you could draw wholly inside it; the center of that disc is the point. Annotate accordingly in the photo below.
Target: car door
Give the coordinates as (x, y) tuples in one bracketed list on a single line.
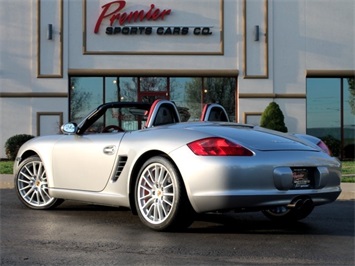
[(85, 162)]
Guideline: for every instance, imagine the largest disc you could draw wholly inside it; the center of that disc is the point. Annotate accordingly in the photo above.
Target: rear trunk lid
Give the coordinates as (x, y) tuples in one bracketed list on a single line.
[(258, 138)]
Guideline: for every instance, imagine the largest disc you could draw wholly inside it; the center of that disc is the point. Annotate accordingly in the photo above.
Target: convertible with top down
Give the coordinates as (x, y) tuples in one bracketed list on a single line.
[(141, 156)]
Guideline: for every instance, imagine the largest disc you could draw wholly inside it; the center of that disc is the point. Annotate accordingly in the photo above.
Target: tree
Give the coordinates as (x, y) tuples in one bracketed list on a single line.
[(211, 90), (79, 99), (273, 118), (222, 91)]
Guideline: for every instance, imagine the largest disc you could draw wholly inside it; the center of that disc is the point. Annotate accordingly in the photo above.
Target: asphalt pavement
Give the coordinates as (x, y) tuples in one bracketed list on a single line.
[(348, 189)]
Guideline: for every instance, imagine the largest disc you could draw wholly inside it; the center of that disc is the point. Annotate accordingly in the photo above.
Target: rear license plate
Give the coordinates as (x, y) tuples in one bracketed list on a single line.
[(302, 178)]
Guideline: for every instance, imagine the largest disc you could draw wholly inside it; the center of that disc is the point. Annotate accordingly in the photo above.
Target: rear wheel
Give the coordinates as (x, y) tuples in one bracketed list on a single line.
[(160, 196), (32, 186)]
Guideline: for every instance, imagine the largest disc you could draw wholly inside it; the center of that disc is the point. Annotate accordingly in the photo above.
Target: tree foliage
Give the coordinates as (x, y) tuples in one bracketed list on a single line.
[(273, 118), (211, 90), (78, 100)]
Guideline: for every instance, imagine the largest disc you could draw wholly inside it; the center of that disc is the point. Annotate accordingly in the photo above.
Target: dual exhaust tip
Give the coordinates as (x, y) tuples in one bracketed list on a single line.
[(301, 204)]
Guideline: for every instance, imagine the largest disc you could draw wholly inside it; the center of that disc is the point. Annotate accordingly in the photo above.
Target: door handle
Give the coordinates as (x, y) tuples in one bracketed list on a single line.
[(109, 150)]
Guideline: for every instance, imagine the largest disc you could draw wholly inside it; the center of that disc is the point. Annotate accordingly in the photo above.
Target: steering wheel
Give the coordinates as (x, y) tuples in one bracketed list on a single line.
[(112, 128)]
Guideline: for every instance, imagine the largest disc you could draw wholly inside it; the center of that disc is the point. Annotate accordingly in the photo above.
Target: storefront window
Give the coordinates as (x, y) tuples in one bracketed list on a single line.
[(189, 93), (222, 91), (85, 93), (153, 84), (121, 89), (331, 113), (349, 118), (193, 93)]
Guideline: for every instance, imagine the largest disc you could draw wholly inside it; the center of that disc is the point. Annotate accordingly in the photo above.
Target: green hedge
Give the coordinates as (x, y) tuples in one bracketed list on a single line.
[(14, 143)]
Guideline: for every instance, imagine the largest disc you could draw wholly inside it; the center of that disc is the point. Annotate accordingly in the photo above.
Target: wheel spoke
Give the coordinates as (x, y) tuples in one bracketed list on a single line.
[(23, 174), (28, 171), (42, 195), (32, 196), (30, 191), (150, 210), (159, 212), (167, 202), (159, 173), (148, 204), (148, 180), (24, 184), (164, 208)]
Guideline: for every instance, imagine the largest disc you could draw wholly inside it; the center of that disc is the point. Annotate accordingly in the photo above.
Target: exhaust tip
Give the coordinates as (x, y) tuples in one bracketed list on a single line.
[(301, 203)]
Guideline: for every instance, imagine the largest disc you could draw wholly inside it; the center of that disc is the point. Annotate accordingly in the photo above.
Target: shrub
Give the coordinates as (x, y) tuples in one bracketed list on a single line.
[(273, 118), (14, 143)]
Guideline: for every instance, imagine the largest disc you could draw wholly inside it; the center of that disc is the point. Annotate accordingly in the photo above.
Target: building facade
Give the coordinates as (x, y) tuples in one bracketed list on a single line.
[(62, 58)]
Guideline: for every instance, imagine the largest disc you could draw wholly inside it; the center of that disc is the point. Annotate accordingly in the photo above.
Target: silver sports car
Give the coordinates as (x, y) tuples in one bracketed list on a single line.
[(141, 156)]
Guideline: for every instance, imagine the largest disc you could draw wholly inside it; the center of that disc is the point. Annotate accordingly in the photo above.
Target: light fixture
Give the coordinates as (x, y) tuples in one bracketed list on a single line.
[(49, 32), (256, 33)]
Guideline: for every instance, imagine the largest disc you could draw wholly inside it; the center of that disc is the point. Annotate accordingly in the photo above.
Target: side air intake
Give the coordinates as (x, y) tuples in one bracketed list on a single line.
[(122, 160)]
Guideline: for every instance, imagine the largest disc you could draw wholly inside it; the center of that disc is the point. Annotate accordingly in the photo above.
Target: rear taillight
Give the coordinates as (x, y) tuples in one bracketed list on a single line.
[(324, 147), (218, 147)]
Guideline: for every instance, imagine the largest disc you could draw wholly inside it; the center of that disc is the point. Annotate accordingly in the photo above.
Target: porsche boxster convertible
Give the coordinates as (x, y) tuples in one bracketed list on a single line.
[(141, 156)]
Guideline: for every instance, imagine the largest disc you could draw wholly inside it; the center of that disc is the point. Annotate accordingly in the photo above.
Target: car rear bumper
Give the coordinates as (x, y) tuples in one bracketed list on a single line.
[(265, 180), (253, 199)]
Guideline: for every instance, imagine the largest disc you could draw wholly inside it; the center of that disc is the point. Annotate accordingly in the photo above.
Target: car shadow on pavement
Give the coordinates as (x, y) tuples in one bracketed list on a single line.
[(256, 223), (247, 223)]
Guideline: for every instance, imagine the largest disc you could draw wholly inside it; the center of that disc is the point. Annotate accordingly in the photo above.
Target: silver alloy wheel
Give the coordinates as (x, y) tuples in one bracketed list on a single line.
[(156, 193), (32, 185)]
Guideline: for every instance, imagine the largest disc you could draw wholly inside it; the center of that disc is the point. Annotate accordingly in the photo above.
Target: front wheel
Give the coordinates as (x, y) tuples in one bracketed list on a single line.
[(160, 196), (32, 186)]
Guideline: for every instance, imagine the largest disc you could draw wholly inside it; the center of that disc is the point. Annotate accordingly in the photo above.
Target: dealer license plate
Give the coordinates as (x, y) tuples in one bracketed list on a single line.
[(302, 178)]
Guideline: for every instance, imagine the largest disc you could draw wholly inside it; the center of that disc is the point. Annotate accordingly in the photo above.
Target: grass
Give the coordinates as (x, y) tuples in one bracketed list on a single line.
[(348, 170), (6, 167)]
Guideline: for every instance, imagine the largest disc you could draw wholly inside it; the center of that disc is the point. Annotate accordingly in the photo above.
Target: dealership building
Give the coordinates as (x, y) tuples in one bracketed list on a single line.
[(62, 58)]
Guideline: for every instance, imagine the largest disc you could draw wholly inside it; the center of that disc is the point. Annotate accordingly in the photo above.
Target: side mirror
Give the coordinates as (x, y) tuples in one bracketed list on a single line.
[(69, 128)]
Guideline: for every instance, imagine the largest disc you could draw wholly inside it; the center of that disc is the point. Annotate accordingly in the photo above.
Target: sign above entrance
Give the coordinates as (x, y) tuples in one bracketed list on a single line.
[(113, 12), (153, 27)]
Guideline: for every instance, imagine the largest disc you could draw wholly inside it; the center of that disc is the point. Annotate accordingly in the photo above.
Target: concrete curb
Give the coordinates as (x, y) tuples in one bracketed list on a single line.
[(348, 189), (6, 181)]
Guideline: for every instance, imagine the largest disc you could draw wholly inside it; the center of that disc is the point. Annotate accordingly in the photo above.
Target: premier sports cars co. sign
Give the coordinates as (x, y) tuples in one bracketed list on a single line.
[(115, 14), (184, 24)]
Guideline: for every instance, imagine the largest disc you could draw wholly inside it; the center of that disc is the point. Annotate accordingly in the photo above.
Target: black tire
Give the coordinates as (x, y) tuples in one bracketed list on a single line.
[(32, 187), (160, 196), (285, 214)]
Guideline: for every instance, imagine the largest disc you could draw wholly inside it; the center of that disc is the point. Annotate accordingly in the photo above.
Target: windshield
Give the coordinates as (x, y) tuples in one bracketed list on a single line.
[(115, 117)]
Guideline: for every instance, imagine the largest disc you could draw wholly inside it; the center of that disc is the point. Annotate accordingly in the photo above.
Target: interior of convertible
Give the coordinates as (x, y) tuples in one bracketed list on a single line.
[(121, 117)]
